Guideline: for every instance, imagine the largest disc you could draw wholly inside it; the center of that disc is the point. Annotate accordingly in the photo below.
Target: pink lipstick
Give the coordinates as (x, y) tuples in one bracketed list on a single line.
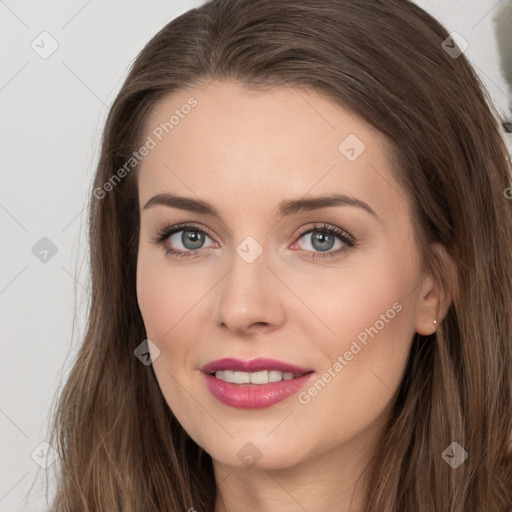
[(255, 383)]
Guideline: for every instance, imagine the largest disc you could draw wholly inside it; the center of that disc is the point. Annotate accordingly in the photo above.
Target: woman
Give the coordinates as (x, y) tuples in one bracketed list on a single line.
[(299, 218)]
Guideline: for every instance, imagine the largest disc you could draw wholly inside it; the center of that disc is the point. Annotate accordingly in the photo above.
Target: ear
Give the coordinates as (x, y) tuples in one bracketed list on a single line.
[(436, 297)]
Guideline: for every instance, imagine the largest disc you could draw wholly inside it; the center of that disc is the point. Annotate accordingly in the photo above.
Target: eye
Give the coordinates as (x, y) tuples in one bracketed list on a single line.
[(182, 240), (321, 239)]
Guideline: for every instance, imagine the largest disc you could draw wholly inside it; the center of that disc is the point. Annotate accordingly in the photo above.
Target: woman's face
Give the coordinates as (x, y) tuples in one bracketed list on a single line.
[(258, 274)]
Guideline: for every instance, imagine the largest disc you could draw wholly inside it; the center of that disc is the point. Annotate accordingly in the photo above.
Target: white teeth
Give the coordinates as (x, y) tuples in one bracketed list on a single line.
[(229, 376), (275, 376), (259, 377), (263, 377), (242, 378)]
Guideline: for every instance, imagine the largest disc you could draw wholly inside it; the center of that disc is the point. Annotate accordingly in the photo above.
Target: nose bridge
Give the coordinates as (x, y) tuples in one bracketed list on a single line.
[(249, 261), (249, 292)]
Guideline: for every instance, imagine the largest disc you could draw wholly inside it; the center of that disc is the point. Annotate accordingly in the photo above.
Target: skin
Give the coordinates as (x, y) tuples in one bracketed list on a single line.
[(244, 152)]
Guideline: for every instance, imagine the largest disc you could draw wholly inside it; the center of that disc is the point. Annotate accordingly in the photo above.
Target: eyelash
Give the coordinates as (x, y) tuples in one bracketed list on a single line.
[(349, 241)]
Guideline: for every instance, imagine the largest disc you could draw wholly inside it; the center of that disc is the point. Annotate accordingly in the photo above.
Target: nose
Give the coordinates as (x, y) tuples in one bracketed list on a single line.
[(250, 297)]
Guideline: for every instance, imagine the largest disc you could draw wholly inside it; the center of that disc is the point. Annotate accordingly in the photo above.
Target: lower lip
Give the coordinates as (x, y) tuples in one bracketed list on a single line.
[(254, 396)]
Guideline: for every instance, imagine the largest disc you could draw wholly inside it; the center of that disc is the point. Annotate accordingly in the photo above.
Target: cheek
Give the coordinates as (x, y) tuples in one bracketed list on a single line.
[(365, 315), (370, 311), (347, 301), (155, 298), (164, 295)]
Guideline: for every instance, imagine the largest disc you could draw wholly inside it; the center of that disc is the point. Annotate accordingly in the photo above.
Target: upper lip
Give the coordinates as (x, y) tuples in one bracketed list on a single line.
[(253, 365)]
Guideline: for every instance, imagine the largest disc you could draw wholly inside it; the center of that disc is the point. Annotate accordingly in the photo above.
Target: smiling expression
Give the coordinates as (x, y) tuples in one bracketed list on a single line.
[(272, 227)]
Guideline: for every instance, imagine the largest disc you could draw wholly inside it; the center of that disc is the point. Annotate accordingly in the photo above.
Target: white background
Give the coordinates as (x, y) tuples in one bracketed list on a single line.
[(53, 111)]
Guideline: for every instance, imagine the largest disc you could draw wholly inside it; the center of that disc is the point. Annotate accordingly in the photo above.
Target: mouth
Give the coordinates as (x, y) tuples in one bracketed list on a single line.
[(254, 384)]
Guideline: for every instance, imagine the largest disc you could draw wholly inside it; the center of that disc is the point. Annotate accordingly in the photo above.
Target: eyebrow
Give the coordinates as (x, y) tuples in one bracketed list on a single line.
[(285, 208)]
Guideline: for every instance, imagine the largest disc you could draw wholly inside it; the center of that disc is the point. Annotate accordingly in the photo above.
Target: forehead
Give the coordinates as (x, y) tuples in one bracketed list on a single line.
[(262, 145)]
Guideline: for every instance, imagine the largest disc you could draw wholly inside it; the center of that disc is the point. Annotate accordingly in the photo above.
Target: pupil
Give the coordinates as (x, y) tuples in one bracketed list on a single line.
[(323, 241), (192, 239)]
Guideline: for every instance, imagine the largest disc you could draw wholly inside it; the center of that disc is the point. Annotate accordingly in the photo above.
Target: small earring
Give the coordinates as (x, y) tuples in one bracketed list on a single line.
[(435, 322)]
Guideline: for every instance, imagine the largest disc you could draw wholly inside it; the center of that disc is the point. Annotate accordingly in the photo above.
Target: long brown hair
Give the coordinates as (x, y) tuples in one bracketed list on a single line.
[(395, 66)]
